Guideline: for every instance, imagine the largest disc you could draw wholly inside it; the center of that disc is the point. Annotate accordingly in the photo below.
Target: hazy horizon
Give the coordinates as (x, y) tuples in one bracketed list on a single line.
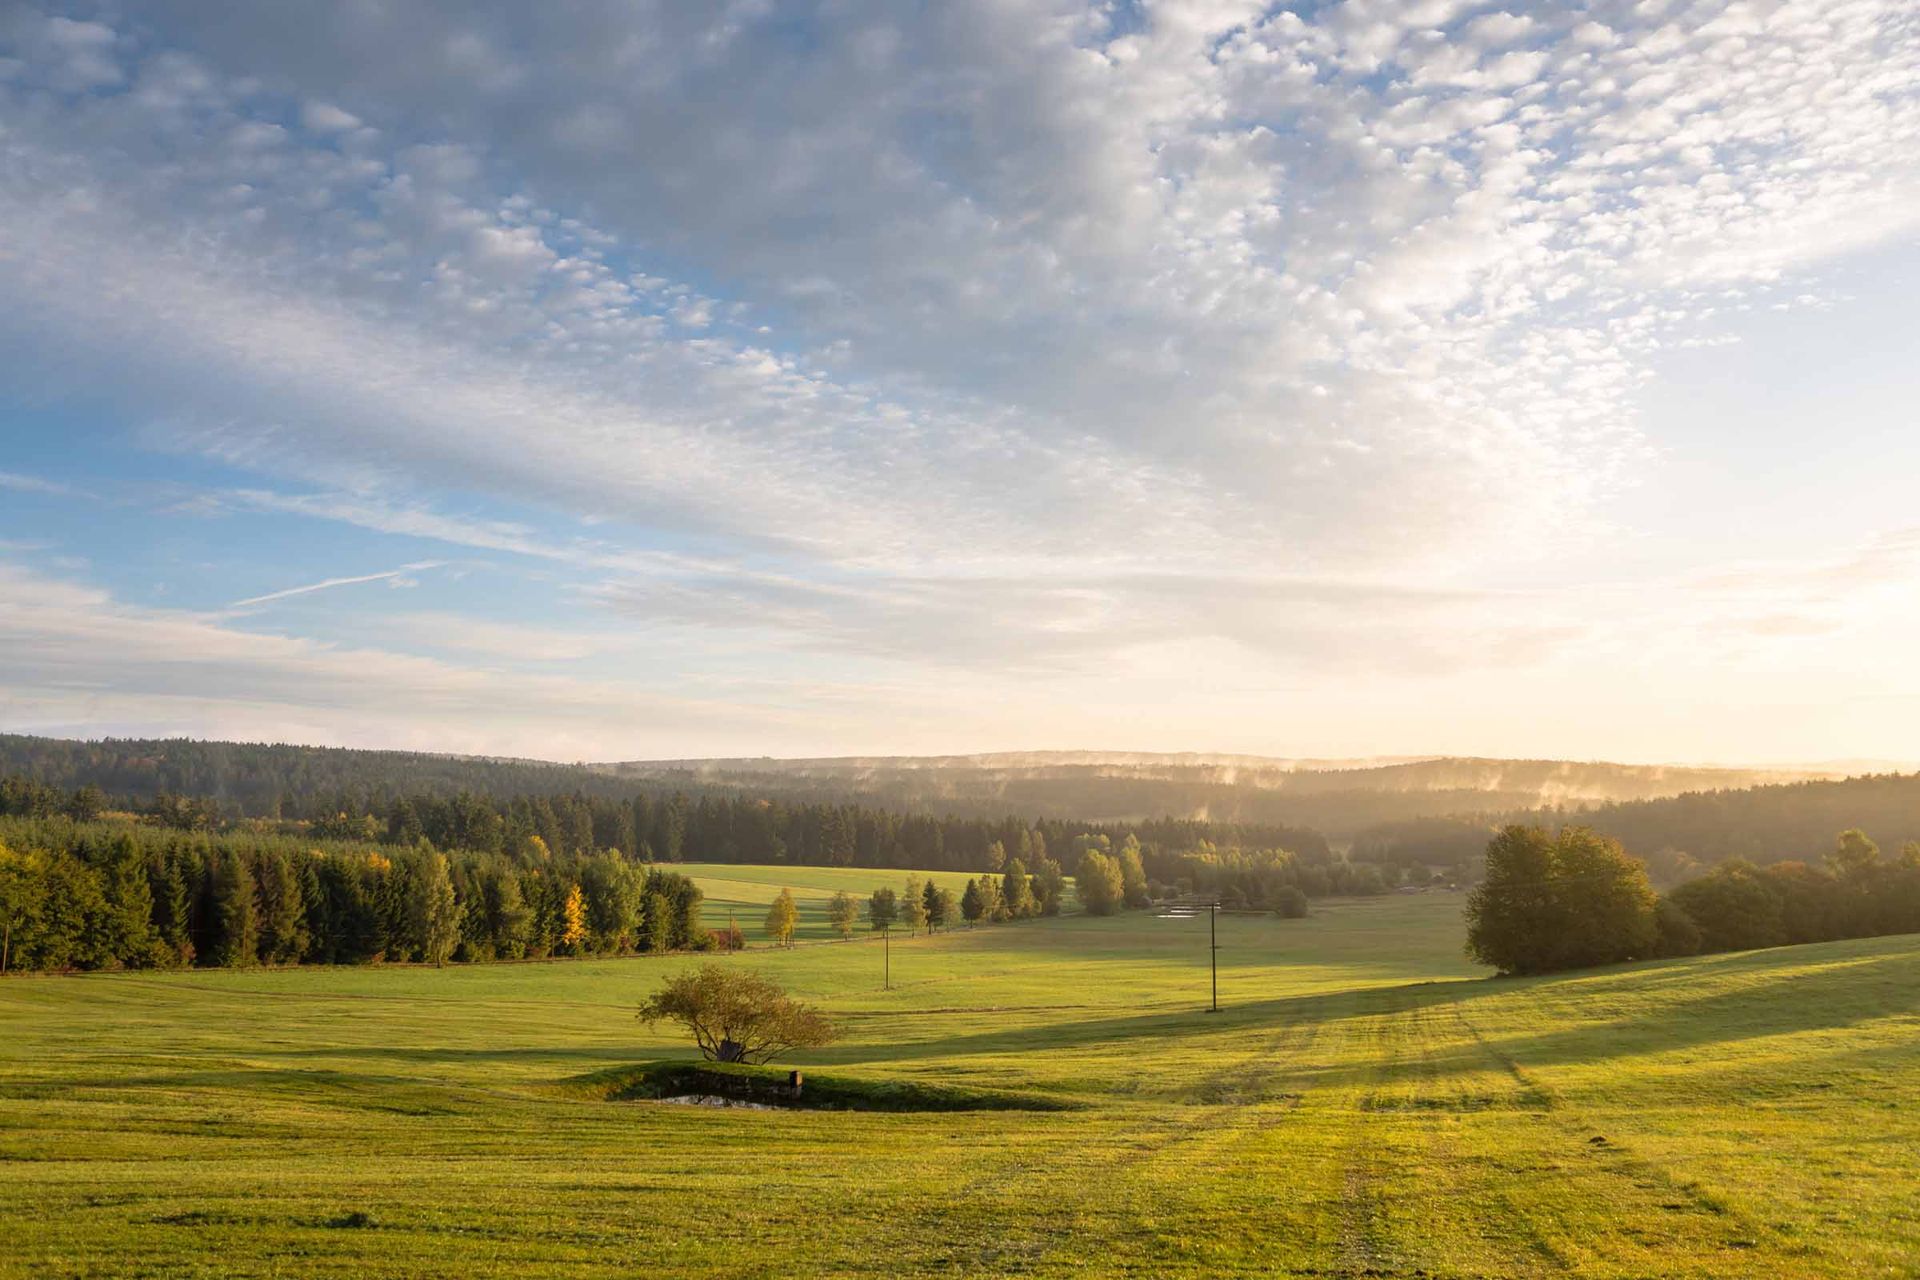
[(1836, 768), (613, 382)]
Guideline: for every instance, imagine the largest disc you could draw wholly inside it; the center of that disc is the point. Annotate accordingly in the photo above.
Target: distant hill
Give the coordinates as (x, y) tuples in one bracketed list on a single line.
[(1677, 834), (1768, 824), (269, 779), (1338, 797), (1335, 796)]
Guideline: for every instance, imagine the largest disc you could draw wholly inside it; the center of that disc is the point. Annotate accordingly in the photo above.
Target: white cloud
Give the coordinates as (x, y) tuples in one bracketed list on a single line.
[(79, 661), (324, 117), (890, 324), (22, 483)]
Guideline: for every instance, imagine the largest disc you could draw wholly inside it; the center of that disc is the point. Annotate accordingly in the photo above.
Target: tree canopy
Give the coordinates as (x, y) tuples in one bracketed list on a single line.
[(737, 1015), (1562, 901)]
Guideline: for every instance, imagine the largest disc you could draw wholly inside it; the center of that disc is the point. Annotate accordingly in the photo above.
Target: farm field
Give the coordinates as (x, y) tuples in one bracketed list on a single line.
[(1366, 1104), (748, 891)]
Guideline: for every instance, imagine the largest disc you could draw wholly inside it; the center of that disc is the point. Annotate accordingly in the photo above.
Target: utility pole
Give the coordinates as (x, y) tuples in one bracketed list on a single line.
[(1213, 953), (886, 958)]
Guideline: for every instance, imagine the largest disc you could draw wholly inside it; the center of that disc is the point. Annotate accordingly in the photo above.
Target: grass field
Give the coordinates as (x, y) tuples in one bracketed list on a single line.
[(1366, 1105), (747, 891)]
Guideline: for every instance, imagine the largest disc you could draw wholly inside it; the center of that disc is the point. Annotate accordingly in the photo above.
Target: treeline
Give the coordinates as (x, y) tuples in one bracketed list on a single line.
[(306, 783), (648, 826), (1575, 899), (1764, 824), (1129, 874), (1679, 836), (83, 895), (278, 780)]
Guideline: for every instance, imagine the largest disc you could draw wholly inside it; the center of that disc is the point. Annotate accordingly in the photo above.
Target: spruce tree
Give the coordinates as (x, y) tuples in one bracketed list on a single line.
[(235, 913)]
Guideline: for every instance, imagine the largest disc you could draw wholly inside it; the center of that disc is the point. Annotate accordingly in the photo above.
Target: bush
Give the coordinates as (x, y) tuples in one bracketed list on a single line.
[(1290, 903)]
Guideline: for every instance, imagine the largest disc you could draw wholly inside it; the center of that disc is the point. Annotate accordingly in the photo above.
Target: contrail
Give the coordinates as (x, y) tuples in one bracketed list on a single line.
[(323, 584)]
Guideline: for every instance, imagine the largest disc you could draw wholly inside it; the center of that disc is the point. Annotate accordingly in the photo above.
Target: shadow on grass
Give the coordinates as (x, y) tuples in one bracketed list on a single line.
[(1606, 1014), (1794, 989), (767, 1087)]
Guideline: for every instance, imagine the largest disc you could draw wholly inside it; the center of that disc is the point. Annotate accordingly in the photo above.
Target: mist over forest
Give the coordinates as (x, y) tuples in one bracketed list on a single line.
[(1434, 812)]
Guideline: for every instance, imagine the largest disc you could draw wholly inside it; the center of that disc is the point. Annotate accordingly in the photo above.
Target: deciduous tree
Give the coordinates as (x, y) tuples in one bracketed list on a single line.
[(782, 916), (1562, 901), (737, 1015), (1097, 880), (841, 914)]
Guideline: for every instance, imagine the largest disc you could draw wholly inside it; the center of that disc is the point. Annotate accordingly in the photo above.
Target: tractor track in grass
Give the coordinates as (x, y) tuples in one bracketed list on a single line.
[(1173, 1138), (1644, 1180)]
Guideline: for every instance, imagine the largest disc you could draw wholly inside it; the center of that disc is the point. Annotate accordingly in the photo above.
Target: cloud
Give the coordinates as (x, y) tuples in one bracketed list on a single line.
[(20, 483), (79, 661), (1019, 334), (1218, 273)]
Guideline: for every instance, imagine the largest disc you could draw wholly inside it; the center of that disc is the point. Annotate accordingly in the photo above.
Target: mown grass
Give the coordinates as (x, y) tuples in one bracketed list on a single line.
[(1366, 1104), (747, 892)]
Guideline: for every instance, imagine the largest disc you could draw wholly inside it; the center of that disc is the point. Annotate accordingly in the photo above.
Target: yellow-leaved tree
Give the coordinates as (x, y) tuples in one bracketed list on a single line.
[(781, 918), (575, 933)]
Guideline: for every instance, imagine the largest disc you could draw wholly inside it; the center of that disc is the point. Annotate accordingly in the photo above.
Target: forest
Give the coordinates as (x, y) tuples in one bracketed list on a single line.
[(88, 884), (1574, 899), (261, 780)]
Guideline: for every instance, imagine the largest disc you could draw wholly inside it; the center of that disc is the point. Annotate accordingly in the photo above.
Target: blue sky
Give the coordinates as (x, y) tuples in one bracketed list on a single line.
[(615, 380)]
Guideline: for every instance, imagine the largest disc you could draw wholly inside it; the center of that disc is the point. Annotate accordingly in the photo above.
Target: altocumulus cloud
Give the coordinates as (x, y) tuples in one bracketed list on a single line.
[(898, 310)]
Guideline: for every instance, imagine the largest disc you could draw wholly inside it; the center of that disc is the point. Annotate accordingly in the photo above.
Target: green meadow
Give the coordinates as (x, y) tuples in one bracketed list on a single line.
[(747, 891), (1367, 1104)]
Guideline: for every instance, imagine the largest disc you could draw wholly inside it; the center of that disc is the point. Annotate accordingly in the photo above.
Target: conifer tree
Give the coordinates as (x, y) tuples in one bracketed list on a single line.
[(941, 907), (282, 913), (235, 913), (173, 909), (127, 924)]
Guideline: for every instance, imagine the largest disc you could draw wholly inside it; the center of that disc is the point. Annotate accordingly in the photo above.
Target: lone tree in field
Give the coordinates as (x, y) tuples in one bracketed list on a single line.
[(737, 1015), (1562, 901), (781, 918), (841, 914)]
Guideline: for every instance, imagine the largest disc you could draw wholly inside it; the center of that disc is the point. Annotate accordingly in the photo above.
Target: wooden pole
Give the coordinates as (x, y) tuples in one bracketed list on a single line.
[(1213, 954)]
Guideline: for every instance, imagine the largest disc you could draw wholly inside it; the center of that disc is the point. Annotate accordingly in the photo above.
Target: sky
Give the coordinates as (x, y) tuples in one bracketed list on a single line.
[(643, 380)]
